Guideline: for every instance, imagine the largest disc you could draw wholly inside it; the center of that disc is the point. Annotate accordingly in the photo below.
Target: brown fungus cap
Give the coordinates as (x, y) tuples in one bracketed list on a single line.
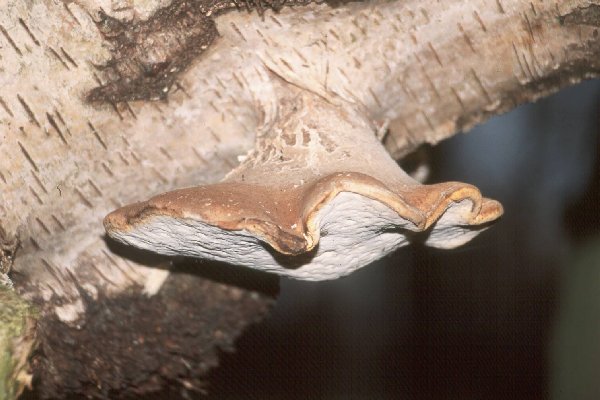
[(316, 199)]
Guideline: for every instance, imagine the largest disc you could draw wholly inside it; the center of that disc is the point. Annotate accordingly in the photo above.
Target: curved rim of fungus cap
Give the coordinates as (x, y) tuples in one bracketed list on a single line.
[(317, 198)]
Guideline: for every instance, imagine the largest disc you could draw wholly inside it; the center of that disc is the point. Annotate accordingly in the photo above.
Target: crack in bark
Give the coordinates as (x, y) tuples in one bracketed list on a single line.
[(148, 56)]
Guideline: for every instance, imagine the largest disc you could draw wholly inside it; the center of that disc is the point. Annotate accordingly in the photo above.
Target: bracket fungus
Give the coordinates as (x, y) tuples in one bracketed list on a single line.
[(317, 198)]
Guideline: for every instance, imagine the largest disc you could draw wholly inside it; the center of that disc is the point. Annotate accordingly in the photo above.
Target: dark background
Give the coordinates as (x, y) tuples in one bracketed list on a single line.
[(514, 314)]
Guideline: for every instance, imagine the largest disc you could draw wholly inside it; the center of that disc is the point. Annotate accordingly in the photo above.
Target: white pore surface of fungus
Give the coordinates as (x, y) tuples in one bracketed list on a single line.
[(354, 231)]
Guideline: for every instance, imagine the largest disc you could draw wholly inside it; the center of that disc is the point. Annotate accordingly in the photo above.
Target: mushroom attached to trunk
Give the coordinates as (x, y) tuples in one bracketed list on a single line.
[(317, 198)]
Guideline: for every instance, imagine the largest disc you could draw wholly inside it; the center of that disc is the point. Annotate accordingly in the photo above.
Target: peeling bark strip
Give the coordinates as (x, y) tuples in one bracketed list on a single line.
[(149, 55)]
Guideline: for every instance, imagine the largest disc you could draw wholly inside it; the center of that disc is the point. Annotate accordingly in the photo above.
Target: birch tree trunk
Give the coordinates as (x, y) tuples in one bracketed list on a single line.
[(103, 103)]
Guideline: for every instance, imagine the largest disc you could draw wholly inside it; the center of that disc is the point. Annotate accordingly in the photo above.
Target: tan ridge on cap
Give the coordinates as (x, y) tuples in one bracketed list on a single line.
[(237, 207)]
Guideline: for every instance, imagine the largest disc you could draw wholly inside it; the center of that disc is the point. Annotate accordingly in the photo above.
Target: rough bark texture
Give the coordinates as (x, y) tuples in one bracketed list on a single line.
[(131, 345), (427, 68)]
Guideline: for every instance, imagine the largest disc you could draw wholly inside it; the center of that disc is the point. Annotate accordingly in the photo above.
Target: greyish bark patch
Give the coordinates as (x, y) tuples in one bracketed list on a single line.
[(589, 15)]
